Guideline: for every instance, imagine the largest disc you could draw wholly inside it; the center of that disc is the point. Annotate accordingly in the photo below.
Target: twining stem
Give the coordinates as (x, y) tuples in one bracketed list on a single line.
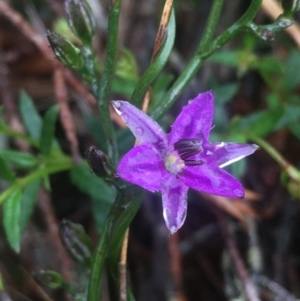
[(107, 79), (285, 165), (205, 49)]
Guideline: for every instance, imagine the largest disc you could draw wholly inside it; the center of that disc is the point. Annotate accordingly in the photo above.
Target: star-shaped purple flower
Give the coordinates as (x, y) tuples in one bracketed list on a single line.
[(171, 163)]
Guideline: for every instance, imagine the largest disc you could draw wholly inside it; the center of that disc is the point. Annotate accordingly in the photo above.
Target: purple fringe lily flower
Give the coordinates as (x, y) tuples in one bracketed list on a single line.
[(172, 163)]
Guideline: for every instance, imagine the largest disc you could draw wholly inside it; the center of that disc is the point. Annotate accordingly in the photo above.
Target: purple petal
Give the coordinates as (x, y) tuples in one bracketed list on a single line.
[(227, 153), (143, 166), (213, 180), (143, 127), (195, 119), (174, 197)]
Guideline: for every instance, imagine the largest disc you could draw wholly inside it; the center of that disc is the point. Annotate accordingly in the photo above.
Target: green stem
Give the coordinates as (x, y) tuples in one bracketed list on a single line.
[(289, 168), (44, 170), (107, 79), (204, 50), (211, 25), (98, 264)]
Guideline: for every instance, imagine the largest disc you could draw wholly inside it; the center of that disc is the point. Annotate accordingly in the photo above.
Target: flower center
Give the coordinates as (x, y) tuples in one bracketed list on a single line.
[(173, 163), (184, 149), (187, 148)]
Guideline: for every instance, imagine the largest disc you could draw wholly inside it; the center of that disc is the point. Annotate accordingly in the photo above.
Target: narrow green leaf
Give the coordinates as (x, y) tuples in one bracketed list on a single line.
[(226, 58), (102, 195), (266, 123), (30, 116), (292, 75), (260, 123), (20, 159), (48, 128), (11, 219), (5, 172), (89, 183), (130, 296), (28, 201), (225, 93), (158, 63)]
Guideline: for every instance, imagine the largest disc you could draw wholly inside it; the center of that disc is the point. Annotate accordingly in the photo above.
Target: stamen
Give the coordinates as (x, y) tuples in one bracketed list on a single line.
[(186, 155), (187, 148), (184, 145), (194, 162)]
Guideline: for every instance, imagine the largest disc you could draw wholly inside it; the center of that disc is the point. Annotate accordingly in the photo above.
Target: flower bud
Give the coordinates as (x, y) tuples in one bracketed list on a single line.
[(64, 50), (49, 278), (76, 242), (100, 163), (81, 21)]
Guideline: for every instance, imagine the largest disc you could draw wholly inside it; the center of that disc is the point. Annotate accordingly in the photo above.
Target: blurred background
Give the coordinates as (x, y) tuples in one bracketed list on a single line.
[(224, 244)]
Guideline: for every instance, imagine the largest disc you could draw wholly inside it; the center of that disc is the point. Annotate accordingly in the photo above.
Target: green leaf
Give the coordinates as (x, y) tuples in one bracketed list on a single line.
[(5, 172), (20, 159), (295, 130), (290, 117), (130, 296), (11, 219), (48, 129), (292, 67), (270, 69), (227, 58), (158, 63), (159, 88), (260, 123), (30, 116), (225, 93), (28, 201), (101, 193), (95, 128), (125, 140)]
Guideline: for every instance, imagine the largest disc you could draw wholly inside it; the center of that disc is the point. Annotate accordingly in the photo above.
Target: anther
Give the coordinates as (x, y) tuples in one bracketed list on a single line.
[(188, 147), (194, 162)]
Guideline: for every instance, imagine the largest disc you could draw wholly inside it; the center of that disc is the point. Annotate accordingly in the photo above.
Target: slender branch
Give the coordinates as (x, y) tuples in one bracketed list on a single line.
[(107, 79), (292, 171), (65, 114), (273, 9), (201, 54), (98, 264)]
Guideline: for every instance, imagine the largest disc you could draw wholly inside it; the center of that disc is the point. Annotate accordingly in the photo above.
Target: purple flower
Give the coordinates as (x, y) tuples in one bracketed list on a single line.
[(171, 163)]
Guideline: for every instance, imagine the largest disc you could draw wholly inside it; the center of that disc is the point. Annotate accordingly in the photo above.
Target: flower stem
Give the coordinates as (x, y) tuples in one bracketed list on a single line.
[(107, 79), (98, 264), (293, 172), (205, 49)]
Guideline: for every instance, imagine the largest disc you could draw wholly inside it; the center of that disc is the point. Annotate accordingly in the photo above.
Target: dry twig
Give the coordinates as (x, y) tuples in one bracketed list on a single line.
[(249, 287), (65, 114)]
